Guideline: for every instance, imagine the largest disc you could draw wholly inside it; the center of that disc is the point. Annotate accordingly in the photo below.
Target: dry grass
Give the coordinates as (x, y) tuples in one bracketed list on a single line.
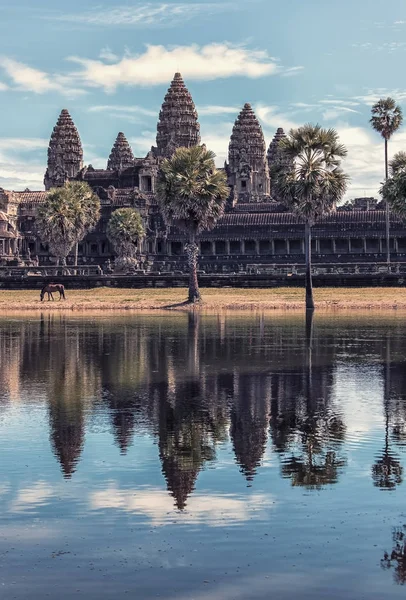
[(213, 299)]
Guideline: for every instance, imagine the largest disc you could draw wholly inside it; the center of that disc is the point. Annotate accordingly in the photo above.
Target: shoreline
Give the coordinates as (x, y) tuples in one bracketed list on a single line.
[(173, 299)]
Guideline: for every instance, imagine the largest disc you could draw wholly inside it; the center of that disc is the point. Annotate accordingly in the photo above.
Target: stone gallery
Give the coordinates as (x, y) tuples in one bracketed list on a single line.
[(256, 229)]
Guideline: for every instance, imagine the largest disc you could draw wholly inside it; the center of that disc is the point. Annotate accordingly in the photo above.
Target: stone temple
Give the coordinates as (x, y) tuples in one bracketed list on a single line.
[(256, 228)]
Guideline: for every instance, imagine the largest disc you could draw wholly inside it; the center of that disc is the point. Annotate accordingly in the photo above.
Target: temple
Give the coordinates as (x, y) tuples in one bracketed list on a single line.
[(255, 231)]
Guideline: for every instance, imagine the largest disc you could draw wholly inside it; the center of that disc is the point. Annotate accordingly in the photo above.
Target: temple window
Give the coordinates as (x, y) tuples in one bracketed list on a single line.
[(159, 248), (93, 248), (295, 247), (243, 185), (280, 246), (235, 247), (146, 183), (176, 248), (250, 247), (265, 247), (205, 248), (220, 247)]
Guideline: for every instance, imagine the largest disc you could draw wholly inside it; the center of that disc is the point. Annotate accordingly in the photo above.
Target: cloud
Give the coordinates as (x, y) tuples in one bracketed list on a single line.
[(292, 71), (126, 110), (158, 64), (211, 110), (147, 14), (26, 78), (272, 117), (22, 163), (107, 54), (157, 506), (155, 66)]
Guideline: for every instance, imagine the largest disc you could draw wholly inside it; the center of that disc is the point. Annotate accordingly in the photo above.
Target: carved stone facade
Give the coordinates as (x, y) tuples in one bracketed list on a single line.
[(121, 156), (255, 230), (247, 167), (65, 152), (178, 125)]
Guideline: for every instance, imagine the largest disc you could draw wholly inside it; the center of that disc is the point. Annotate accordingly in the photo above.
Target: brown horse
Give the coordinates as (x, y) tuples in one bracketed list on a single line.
[(49, 288)]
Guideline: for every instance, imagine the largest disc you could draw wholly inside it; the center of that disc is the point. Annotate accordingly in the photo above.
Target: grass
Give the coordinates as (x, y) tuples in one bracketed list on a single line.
[(213, 299)]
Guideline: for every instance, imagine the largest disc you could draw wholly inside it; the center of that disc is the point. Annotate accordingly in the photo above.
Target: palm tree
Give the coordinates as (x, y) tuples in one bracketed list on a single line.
[(125, 231), (386, 119), (312, 182), (66, 216), (398, 164), (394, 188), (192, 195)]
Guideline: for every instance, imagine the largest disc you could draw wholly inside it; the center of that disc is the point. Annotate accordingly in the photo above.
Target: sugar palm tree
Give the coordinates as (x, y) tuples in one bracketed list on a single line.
[(125, 231), (312, 183), (386, 119), (66, 216), (394, 188), (397, 164), (192, 195)]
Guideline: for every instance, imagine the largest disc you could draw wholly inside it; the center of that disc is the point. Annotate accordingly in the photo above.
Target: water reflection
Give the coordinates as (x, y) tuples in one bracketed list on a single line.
[(124, 428), (194, 382)]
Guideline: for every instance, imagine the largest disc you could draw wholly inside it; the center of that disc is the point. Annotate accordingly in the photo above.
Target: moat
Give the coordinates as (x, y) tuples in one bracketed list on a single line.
[(221, 456)]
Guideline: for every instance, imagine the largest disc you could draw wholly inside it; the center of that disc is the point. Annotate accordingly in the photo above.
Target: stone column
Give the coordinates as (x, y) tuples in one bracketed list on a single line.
[(213, 248), (287, 246), (333, 245), (273, 247), (228, 247), (257, 251), (242, 246), (364, 242)]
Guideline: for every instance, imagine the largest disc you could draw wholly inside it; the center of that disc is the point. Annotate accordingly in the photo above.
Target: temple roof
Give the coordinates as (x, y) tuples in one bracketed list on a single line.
[(247, 142), (178, 121), (65, 145), (121, 155)]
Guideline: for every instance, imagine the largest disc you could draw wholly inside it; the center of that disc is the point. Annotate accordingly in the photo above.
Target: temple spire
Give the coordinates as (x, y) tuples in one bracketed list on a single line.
[(275, 157), (248, 166), (178, 121), (121, 155), (65, 152)]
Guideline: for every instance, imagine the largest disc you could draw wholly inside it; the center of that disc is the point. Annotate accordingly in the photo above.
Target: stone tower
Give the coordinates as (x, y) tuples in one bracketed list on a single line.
[(274, 155), (121, 156), (178, 126), (65, 152), (273, 147), (248, 167)]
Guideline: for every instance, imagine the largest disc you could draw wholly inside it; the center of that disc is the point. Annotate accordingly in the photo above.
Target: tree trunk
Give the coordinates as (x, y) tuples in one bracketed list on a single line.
[(192, 253), (387, 222), (308, 257)]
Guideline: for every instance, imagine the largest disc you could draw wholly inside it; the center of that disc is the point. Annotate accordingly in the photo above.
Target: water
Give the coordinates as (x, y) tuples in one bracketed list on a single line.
[(222, 457)]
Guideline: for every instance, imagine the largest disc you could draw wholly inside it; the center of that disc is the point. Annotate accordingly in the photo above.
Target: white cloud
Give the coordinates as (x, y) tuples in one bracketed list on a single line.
[(107, 54), (146, 14), (3, 87), (158, 64), (125, 110), (211, 110), (292, 71), (272, 117), (18, 168), (26, 78), (157, 506)]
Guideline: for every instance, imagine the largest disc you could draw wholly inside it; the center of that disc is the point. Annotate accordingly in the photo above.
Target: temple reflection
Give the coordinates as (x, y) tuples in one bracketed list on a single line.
[(196, 383)]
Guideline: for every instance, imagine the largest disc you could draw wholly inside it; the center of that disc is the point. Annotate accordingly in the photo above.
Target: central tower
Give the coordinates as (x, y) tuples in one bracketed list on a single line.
[(248, 168), (178, 125)]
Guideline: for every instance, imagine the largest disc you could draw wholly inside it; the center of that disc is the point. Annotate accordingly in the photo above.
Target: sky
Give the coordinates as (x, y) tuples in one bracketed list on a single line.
[(110, 63)]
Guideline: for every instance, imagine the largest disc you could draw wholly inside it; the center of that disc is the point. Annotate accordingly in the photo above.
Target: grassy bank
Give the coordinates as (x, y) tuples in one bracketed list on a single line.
[(213, 299)]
